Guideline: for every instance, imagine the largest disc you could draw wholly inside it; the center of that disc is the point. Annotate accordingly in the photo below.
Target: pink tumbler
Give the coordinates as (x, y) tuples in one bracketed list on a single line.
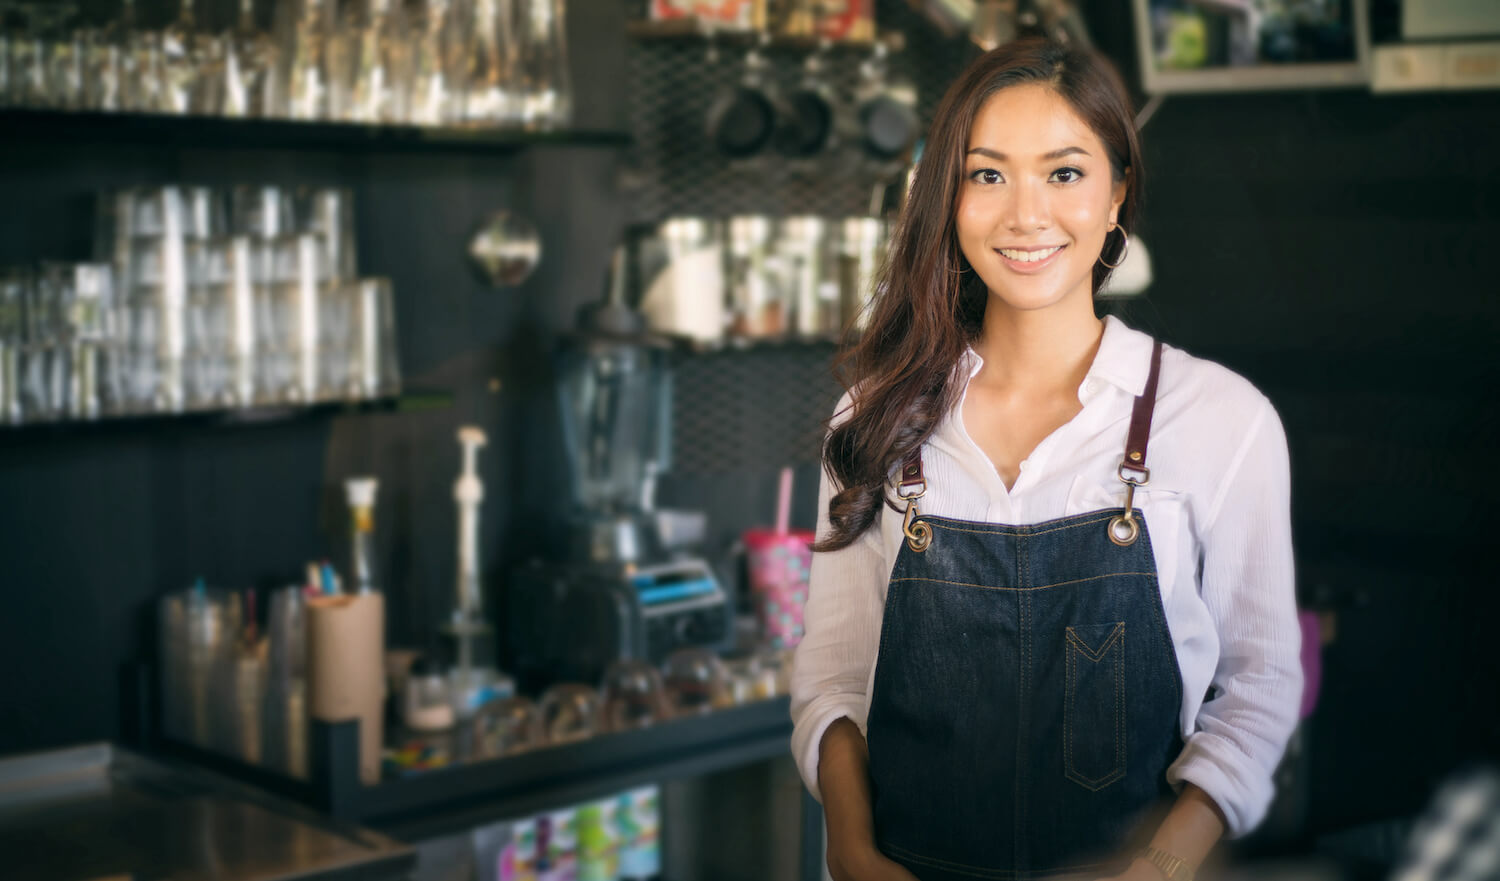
[(779, 566)]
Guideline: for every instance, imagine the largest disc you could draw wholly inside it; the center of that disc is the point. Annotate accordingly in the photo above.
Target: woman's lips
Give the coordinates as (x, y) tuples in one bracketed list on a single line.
[(1027, 268)]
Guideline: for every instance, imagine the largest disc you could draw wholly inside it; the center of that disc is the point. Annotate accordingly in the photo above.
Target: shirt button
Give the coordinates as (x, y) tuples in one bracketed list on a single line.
[(1091, 386), (1024, 463)]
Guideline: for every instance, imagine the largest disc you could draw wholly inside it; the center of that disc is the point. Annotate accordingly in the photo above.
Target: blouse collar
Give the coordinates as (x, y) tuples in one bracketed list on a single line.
[(1123, 359)]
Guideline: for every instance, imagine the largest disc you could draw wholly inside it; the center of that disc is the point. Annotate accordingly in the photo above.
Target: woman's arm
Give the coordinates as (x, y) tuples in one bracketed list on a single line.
[(1189, 832), (1225, 772), (830, 675), (841, 621), (844, 777), (1248, 586)]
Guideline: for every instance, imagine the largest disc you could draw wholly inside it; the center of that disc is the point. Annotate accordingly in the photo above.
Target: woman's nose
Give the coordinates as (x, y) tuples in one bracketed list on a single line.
[(1027, 209)]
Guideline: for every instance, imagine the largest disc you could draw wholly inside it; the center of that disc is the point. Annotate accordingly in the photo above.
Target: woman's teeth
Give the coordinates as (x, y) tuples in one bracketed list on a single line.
[(1029, 256)]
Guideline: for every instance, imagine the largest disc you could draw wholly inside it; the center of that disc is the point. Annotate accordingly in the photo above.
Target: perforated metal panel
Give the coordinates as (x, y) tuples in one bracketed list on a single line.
[(673, 86), (752, 410), (743, 411)]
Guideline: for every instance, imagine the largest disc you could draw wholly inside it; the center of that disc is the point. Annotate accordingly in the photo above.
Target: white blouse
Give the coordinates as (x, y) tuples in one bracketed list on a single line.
[(1217, 506)]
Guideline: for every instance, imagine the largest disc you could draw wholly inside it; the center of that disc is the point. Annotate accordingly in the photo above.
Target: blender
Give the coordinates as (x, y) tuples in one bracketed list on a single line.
[(628, 585)]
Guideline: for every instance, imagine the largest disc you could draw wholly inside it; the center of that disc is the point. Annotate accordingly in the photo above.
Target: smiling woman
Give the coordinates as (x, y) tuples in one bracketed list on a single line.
[(1037, 201), (1028, 652), (935, 300)]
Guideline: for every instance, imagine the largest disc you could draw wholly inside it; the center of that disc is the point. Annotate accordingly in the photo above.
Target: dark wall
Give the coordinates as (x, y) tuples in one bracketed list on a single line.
[(1334, 247), (1324, 246), (1331, 246)]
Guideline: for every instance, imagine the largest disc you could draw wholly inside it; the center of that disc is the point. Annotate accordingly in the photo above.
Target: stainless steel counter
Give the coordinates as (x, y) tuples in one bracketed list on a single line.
[(98, 811)]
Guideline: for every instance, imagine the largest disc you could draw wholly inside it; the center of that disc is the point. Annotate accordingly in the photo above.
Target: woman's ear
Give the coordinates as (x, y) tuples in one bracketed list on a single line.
[(1117, 197)]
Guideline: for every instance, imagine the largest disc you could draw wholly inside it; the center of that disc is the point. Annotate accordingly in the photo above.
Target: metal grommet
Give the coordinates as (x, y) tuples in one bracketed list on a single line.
[(918, 534), (1132, 530), (919, 537)]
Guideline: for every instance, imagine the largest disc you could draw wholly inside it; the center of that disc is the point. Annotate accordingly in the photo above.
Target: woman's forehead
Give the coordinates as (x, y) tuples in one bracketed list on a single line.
[(1029, 121)]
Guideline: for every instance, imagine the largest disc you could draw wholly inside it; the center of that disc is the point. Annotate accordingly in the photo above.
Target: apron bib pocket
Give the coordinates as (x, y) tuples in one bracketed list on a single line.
[(1094, 705)]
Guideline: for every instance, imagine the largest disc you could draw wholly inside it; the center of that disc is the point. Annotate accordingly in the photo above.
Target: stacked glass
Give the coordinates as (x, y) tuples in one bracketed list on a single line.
[(490, 63)]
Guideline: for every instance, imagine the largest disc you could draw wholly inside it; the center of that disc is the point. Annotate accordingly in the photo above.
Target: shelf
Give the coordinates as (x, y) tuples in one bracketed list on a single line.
[(407, 401), (466, 794), (238, 134)]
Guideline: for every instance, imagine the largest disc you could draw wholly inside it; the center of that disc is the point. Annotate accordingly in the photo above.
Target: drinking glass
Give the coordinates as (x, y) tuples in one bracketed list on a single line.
[(158, 241), (543, 81), (28, 63), (373, 367), (220, 333), (506, 726), (436, 91), (263, 213), (696, 680), (634, 696), (328, 213), (286, 321), (14, 284), (304, 30), (490, 96), (370, 61), (111, 63), (79, 299), (250, 68), (68, 54), (570, 712)]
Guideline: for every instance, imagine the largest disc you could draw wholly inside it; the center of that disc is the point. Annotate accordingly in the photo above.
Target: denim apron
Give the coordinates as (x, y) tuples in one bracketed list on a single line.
[(1026, 696)]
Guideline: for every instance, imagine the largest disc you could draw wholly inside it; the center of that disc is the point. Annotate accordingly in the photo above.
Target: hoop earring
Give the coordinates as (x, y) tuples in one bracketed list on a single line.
[(1124, 247)]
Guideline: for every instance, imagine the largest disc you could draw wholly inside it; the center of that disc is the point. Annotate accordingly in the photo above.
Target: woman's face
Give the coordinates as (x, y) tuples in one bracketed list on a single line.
[(1036, 201)]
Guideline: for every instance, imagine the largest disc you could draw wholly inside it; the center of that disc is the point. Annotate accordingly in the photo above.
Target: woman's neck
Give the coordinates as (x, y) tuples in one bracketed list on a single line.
[(1038, 350)]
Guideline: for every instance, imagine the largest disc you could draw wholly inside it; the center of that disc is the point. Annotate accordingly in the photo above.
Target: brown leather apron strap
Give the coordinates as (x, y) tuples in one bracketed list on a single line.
[(1123, 529), (1140, 418), (912, 483)]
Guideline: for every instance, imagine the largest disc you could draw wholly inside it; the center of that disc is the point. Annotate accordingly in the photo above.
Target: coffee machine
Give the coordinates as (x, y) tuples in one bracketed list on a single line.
[(630, 583)]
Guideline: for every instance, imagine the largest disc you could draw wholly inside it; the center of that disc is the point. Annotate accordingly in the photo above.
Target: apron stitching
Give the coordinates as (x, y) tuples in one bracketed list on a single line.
[(934, 521), (1023, 742), (1121, 755), (1118, 633), (1070, 665), (1021, 849), (1070, 673), (1023, 589)]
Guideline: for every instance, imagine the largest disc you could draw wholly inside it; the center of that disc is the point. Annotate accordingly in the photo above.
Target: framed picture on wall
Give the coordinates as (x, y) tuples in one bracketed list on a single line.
[(1249, 45)]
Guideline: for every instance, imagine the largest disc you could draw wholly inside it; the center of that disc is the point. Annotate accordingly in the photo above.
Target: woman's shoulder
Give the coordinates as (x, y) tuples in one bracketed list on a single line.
[(844, 408), (1214, 393)]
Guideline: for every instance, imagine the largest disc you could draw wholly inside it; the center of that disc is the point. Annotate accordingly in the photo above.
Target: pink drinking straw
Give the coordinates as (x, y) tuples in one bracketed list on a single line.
[(784, 502)]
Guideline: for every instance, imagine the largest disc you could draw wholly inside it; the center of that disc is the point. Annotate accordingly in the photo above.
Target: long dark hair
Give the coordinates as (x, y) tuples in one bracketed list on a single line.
[(930, 306)]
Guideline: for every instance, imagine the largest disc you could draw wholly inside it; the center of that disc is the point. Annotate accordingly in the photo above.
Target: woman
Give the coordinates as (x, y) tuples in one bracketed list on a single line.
[(1031, 651)]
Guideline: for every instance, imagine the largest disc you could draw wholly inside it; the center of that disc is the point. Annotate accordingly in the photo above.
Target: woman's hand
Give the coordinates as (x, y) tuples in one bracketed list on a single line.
[(843, 775), (865, 864)]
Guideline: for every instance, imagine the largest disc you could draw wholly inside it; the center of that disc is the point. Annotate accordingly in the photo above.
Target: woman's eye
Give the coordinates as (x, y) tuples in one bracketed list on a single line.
[(986, 176), (1067, 175)]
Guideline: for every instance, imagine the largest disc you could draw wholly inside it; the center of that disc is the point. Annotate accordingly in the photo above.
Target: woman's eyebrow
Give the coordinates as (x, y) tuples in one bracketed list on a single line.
[(1001, 157)]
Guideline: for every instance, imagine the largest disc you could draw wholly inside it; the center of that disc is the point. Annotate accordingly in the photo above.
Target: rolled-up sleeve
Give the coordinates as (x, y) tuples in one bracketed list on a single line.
[(830, 672), (1247, 585)]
